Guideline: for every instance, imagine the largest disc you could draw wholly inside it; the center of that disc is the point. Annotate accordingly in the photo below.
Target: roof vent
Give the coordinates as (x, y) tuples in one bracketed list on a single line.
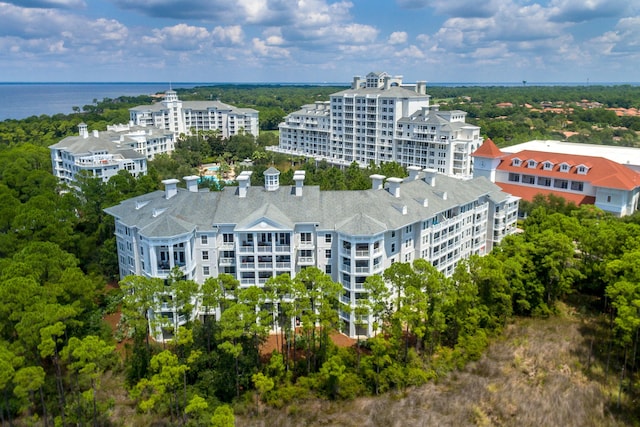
[(140, 205)]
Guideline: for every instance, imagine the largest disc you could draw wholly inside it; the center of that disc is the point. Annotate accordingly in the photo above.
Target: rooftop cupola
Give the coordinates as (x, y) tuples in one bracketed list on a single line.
[(271, 179)]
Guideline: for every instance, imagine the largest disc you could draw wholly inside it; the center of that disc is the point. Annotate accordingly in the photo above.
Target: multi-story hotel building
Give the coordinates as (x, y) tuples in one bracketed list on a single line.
[(186, 117), (103, 154), (379, 119), (611, 186), (256, 233)]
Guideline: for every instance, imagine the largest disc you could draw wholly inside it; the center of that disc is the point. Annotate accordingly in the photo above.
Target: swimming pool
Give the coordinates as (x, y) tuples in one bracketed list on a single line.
[(214, 168)]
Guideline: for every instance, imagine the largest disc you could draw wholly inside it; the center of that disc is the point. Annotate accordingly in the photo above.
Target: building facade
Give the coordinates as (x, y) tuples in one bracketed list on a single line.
[(103, 154), (187, 117), (379, 119), (610, 186), (256, 233)]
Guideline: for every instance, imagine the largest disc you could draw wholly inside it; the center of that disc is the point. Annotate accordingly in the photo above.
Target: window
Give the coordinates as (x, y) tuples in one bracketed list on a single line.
[(393, 247), (545, 182), (205, 270), (514, 177), (327, 268), (205, 255), (327, 238), (516, 162), (204, 240), (564, 167), (532, 164), (582, 169), (577, 185), (528, 179), (227, 238), (608, 199), (327, 253), (305, 237), (548, 166), (561, 183)]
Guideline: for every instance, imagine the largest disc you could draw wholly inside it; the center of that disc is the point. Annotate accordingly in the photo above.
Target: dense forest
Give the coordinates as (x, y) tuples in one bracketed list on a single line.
[(61, 363)]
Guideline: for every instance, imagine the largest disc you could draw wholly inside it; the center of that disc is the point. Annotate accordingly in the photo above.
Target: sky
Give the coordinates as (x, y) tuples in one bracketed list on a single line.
[(318, 41)]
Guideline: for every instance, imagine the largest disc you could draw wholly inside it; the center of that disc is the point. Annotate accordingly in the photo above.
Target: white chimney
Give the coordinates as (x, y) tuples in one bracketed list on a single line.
[(82, 130), (421, 88), (387, 82), (298, 177), (170, 188), (243, 184), (394, 186), (430, 176), (96, 134), (356, 83), (192, 183), (414, 171), (376, 181)]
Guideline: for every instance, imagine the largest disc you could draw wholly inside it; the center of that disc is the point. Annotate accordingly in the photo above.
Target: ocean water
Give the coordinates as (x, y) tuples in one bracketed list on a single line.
[(22, 100)]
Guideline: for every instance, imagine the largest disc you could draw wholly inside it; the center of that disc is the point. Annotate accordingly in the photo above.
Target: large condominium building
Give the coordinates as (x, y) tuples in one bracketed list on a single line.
[(103, 154), (255, 233), (382, 120), (611, 186), (186, 117)]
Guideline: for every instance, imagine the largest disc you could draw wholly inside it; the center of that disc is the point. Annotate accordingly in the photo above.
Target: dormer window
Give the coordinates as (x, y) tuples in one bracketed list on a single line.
[(582, 169), (532, 164), (516, 162), (547, 166), (564, 167)]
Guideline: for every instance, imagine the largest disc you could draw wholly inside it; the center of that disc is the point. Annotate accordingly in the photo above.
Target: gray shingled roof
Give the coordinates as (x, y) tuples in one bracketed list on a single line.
[(196, 105), (393, 91), (362, 212)]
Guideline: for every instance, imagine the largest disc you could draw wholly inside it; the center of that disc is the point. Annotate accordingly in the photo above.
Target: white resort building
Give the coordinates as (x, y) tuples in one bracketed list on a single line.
[(187, 117), (581, 179), (103, 154), (379, 119), (255, 233)]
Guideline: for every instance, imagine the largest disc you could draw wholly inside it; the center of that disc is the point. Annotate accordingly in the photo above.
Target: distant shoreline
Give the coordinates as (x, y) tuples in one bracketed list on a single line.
[(183, 85)]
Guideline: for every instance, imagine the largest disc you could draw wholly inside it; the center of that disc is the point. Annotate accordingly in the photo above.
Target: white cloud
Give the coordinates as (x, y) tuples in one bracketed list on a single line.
[(181, 37), (398, 37), (232, 34), (411, 52), (263, 48), (459, 8), (49, 4), (586, 10)]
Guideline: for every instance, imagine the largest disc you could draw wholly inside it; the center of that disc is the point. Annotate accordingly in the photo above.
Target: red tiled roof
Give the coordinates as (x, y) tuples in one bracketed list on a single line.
[(488, 149), (528, 193), (601, 173)]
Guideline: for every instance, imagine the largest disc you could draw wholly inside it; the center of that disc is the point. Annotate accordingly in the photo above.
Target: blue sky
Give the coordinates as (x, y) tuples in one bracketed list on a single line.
[(320, 40)]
